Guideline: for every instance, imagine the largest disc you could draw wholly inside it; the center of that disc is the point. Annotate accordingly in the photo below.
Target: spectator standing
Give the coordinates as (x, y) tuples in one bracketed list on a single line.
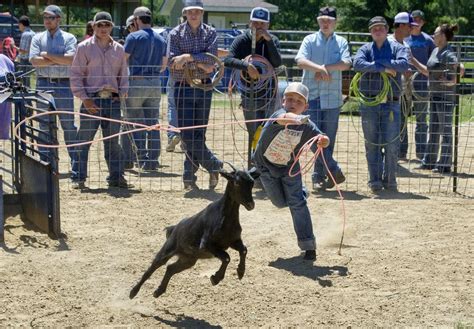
[(6, 66), (275, 154), (23, 58), (145, 50), (262, 103), (51, 53), (421, 46), (323, 56), (442, 68), (188, 43), (9, 48), (381, 123), (89, 30), (99, 78)]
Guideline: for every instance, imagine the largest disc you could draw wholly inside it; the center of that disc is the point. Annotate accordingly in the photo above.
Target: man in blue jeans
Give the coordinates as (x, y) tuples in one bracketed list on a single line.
[(381, 123), (322, 56), (145, 50), (188, 43), (51, 53), (100, 56)]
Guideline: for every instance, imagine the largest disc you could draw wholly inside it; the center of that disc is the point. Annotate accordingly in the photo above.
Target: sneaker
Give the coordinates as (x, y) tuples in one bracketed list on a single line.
[(310, 255), (375, 189), (78, 185), (213, 180), (423, 167), (319, 186), (150, 165), (338, 177), (441, 170), (175, 140), (190, 186), (120, 183)]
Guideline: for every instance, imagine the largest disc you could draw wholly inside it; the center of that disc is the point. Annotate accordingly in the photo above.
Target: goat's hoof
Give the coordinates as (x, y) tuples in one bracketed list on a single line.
[(240, 273), (158, 292), (214, 280), (133, 293)]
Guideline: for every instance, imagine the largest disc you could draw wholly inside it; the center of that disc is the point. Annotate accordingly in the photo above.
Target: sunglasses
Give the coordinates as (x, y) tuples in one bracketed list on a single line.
[(104, 25), (49, 18)]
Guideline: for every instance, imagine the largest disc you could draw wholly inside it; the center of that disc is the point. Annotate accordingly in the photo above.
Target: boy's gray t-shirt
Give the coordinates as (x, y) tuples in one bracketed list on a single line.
[(279, 144)]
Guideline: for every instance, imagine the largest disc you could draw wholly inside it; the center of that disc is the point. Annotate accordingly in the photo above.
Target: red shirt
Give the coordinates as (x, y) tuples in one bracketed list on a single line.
[(9, 49)]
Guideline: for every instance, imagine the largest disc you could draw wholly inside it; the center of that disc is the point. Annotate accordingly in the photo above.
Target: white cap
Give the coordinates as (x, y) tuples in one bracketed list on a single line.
[(404, 18), (298, 88)]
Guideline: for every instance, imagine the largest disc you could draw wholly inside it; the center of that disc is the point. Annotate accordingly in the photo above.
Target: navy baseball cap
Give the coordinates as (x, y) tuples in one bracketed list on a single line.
[(193, 4), (418, 13), (260, 14), (328, 13), (377, 20)]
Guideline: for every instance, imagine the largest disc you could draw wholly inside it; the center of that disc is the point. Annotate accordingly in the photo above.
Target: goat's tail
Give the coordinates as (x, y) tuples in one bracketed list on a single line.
[(169, 230)]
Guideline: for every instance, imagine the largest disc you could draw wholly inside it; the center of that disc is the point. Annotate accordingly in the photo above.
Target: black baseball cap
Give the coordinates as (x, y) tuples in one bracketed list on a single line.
[(418, 13), (377, 20), (327, 12)]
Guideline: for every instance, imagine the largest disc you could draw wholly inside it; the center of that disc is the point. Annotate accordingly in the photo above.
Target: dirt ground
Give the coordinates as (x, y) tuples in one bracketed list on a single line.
[(406, 261)]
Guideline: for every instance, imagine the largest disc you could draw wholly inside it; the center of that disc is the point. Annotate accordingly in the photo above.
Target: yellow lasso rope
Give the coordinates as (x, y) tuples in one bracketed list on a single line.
[(380, 98)]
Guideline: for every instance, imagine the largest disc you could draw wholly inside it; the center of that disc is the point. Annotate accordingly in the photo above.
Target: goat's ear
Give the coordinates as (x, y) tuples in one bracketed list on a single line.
[(254, 173), (226, 175)]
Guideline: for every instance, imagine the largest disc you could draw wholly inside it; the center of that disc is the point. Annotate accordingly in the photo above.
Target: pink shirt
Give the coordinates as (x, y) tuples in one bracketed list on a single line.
[(94, 69)]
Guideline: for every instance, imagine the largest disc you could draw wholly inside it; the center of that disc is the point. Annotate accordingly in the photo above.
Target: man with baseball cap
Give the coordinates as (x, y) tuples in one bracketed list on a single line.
[(421, 45), (323, 56), (51, 53), (403, 24), (100, 56), (188, 44), (381, 122), (145, 51), (274, 156), (260, 104)]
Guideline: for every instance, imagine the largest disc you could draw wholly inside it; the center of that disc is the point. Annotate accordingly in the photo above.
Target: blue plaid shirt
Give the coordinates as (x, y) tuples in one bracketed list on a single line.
[(183, 41), (25, 43)]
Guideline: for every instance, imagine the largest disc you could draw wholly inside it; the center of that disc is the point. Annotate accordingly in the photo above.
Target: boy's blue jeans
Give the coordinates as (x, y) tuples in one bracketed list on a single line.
[(285, 191), (381, 126)]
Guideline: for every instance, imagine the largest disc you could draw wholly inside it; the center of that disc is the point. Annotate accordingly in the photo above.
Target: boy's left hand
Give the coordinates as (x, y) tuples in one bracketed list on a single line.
[(323, 141)]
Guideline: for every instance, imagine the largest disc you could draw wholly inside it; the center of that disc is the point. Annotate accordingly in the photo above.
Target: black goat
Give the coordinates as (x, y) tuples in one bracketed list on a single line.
[(207, 234)]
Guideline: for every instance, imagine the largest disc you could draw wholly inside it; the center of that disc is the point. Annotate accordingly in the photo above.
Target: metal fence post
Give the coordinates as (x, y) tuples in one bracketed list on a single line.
[(2, 219), (456, 123)]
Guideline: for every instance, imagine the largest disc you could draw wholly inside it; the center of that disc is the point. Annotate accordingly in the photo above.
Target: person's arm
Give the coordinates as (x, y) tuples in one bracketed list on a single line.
[(211, 47), (35, 50), (123, 82), (400, 63), (236, 52), (345, 62), (67, 57), (273, 48), (363, 64)]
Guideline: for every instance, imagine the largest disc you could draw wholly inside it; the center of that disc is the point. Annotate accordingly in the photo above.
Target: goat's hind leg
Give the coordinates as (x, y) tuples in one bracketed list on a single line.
[(180, 265), (225, 259), (242, 249), (166, 252)]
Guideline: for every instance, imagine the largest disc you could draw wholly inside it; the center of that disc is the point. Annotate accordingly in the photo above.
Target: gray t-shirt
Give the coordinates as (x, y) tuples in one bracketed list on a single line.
[(441, 67), (277, 146)]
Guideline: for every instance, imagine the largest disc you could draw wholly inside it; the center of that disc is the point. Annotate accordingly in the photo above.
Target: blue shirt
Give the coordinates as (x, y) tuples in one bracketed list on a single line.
[(25, 43), (421, 47), (319, 50), (62, 43), (373, 61), (183, 41), (146, 49)]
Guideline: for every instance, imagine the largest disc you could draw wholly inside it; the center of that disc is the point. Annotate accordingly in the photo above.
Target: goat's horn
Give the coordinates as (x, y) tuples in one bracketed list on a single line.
[(230, 164)]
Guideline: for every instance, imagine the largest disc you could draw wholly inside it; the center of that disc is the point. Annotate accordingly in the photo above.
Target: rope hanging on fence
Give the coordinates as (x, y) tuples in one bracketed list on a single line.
[(191, 72)]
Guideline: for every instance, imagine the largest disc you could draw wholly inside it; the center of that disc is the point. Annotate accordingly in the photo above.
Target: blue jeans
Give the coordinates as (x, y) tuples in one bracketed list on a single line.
[(193, 107), (112, 152), (172, 113), (285, 191), (64, 101), (381, 126), (420, 110), (441, 126), (327, 121), (143, 106)]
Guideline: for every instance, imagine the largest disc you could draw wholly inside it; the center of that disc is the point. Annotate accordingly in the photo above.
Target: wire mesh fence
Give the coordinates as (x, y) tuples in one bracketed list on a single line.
[(156, 157)]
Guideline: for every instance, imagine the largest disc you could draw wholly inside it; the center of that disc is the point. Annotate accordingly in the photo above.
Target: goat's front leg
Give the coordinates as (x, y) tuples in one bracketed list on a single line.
[(242, 249), (180, 265), (225, 259)]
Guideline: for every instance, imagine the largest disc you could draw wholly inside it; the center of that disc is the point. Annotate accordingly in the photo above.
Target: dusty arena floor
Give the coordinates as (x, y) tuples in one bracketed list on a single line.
[(407, 261)]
